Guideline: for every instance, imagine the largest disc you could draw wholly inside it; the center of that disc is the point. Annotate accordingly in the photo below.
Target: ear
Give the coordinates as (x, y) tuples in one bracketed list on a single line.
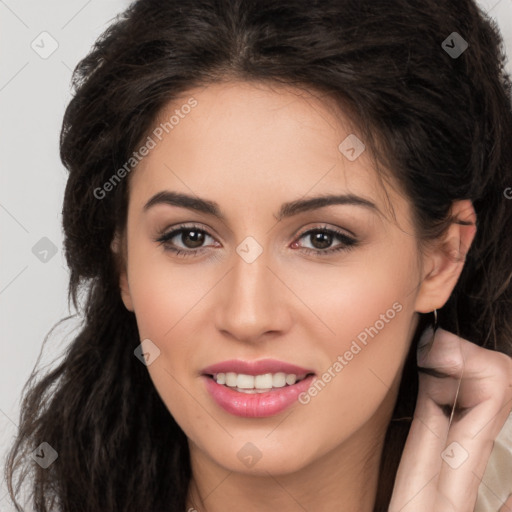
[(118, 247), (445, 259)]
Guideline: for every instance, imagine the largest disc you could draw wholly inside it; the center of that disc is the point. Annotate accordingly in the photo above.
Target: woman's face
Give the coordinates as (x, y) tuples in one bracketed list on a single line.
[(254, 284)]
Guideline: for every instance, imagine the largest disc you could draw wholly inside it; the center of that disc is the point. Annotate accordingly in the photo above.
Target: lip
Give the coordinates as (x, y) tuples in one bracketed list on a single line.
[(257, 405), (255, 367)]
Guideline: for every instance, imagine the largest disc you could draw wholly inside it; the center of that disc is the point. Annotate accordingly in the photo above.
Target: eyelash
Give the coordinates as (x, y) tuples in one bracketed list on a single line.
[(347, 244)]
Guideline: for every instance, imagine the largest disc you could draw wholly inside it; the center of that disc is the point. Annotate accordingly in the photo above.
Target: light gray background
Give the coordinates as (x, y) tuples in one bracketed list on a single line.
[(34, 92)]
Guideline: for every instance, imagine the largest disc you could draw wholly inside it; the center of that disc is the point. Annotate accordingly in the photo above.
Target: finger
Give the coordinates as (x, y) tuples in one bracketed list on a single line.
[(415, 488), (507, 506), (437, 483), (434, 484), (441, 365), (417, 476), (466, 456), (485, 403)]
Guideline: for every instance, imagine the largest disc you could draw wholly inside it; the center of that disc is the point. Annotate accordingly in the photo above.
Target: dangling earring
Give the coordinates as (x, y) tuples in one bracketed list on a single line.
[(435, 326)]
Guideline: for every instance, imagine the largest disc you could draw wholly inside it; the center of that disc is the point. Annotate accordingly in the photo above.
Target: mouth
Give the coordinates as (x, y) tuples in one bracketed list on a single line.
[(256, 389), (262, 383)]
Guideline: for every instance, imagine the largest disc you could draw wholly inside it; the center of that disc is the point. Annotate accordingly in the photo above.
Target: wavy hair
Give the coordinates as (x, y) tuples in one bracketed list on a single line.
[(442, 125)]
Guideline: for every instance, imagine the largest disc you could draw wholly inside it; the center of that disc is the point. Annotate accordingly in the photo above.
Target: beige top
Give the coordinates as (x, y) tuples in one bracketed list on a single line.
[(496, 484)]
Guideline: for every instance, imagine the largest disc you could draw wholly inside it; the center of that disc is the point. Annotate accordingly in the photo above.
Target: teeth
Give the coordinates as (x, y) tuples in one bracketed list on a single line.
[(263, 381), (245, 381), (231, 379), (257, 383), (279, 380), (291, 379)]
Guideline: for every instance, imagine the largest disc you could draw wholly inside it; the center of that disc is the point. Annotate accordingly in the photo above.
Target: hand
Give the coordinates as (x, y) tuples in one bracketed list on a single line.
[(445, 457)]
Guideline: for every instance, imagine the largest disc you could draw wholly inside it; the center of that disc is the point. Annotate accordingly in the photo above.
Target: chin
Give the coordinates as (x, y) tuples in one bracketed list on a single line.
[(259, 459)]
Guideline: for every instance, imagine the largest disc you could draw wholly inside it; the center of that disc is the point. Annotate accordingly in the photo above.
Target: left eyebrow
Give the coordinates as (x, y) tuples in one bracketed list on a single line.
[(313, 203), (287, 209)]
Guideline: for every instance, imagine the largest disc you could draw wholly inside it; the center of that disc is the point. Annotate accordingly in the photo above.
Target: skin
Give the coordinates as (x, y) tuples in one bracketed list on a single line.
[(251, 148), (445, 457)]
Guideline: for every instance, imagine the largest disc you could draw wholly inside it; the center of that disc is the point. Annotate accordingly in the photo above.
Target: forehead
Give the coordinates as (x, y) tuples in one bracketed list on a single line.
[(247, 143)]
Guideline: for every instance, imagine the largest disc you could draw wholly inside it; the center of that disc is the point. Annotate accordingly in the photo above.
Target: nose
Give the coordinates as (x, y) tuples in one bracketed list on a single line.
[(252, 300)]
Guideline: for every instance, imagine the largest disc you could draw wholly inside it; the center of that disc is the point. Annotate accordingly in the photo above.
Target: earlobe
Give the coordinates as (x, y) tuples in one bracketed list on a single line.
[(118, 247), (445, 261)]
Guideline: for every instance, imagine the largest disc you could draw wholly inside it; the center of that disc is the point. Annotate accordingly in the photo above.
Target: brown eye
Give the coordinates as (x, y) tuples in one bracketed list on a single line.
[(322, 238), (192, 238), (185, 240)]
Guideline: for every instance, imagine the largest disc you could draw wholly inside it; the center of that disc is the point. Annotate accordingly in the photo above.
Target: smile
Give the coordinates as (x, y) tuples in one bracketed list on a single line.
[(257, 383), (256, 389)]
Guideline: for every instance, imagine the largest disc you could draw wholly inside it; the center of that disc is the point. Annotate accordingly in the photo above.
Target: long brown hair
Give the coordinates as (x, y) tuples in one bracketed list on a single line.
[(442, 123)]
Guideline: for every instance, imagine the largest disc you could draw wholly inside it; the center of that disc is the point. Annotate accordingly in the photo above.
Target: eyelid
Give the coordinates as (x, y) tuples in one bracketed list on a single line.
[(165, 235), (347, 241), (324, 227)]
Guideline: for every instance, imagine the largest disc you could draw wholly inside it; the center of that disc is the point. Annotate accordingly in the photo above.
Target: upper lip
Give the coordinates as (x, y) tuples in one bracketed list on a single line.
[(259, 367)]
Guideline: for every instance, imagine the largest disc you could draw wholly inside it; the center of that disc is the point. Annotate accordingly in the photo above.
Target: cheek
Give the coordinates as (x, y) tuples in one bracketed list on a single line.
[(363, 328), (167, 302), (369, 295), (162, 292)]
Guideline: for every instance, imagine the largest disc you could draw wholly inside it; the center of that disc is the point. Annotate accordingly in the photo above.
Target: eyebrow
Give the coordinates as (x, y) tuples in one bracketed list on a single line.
[(287, 209)]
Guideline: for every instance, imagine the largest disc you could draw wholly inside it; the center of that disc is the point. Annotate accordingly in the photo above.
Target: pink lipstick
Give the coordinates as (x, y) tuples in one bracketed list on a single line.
[(256, 389)]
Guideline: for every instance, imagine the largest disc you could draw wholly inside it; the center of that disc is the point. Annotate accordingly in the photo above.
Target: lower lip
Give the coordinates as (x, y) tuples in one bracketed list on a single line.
[(256, 405)]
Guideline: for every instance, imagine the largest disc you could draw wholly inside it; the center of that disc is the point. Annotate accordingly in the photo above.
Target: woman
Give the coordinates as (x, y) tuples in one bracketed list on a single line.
[(268, 205)]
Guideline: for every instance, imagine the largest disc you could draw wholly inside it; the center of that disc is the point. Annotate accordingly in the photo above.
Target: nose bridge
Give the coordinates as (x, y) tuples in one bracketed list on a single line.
[(249, 282), (250, 298)]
